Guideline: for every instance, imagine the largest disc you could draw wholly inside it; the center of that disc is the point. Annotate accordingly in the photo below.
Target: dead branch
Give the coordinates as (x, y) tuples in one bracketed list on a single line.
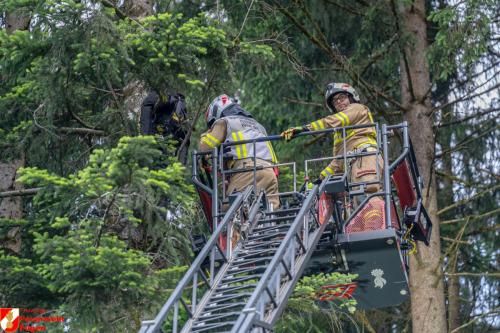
[(20, 193), (81, 130)]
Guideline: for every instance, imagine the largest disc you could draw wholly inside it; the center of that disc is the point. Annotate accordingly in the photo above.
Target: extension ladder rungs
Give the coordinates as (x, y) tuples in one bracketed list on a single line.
[(247, 269), (207, 317), (264, 229), (226, 288), (204, 328), (252, 261), (276, 219), (283, 211), (241, 279), (272, 245)]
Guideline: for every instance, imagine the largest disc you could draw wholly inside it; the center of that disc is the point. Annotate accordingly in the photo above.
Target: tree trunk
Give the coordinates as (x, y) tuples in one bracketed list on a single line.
[(12, 207), (426, 279), (138, 8), (14, 21)]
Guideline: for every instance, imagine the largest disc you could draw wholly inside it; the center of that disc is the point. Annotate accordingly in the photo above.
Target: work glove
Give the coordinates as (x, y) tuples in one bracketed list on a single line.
[(293, 131)]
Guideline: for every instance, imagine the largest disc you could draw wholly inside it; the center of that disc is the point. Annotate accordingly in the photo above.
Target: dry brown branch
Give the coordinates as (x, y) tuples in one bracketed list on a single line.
[(81, 130), (20, 193)]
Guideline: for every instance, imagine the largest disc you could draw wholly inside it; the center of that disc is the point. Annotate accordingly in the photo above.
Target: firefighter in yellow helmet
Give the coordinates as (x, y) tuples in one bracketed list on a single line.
[(343, 100), (227, 121)]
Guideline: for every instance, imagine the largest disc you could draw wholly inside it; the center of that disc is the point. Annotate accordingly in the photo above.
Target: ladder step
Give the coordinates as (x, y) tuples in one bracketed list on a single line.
[(217, 307), (274, 244), (284, 211), (225, 288), (241, 279), (264, 229), (205, 328), (267, 236), (226, 296), (277, 219), (252, 261), (207, 317), (238, 271)]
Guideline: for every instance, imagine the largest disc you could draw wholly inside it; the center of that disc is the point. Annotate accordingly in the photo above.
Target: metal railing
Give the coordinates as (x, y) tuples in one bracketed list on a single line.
[(196, 274)]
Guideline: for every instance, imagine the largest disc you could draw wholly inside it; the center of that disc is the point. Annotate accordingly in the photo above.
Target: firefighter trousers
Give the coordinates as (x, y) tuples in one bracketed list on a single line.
[(368, 169), (265, 178)]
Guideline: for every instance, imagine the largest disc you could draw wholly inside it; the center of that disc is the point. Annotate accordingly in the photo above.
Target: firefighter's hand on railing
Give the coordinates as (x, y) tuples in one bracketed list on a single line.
[(291, 132)]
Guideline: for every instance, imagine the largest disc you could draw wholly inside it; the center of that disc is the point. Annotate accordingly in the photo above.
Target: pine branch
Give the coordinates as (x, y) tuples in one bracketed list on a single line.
[(465, 142), (346, 8), (465, 97), (461, 120), (20, 193), (459, 328), (492, 274), (338, 58), (197, 115), (296, 101), (465, 201), (379, 54), (452, 240), (472, 218), (81, 130)]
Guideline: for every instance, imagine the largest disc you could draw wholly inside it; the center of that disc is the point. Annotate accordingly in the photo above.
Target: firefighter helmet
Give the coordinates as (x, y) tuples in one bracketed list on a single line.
[(334, 88), (219, 104)]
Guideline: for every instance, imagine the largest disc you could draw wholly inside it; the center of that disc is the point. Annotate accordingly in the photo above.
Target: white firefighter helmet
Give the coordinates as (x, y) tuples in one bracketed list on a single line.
[(334, 88), (219, 104)]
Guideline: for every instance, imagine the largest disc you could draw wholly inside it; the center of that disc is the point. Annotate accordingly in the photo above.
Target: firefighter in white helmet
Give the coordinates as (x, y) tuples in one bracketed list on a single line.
[(344, 103), (227, 121)]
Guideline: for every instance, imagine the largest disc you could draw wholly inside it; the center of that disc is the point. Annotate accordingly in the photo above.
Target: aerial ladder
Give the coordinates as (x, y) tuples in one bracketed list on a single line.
[(243, 276)]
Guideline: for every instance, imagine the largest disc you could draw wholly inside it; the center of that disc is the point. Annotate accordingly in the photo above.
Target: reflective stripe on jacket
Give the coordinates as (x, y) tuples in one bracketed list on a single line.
[(244, 128), (354, 114)]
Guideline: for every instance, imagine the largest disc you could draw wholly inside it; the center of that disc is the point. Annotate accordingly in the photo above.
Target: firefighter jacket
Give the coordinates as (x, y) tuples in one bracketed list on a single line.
[(354, 114), (234, 129)]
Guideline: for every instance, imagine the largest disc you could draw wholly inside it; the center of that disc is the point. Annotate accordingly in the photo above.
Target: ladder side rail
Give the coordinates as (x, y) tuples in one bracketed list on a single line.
[(288, 287), (195, 268), (387, 179), (194, 171), (406, 145), (243, 323)]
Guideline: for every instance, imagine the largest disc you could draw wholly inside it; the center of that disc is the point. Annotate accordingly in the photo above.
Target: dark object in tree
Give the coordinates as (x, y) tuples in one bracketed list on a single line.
[(165, 115)]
